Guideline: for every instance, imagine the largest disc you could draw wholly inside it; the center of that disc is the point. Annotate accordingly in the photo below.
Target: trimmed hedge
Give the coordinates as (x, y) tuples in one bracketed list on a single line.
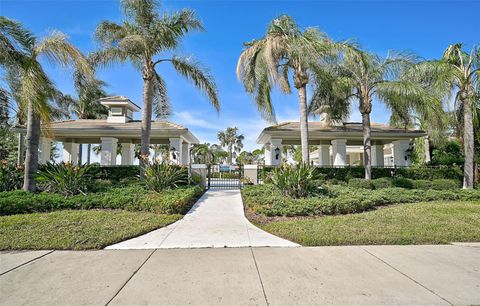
[(114, 173), (414, 173), (268, 200), (439, 184), (134, 198)]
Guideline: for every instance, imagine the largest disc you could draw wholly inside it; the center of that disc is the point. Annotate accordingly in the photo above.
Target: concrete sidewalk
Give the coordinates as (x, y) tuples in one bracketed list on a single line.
[(217, 220), (371, 275)]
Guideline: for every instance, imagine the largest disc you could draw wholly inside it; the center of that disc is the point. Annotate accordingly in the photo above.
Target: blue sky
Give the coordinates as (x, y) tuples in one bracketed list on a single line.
[(424, 27)]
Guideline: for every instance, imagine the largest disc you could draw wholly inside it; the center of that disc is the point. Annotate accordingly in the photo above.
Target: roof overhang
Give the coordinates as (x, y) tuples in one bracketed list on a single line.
[(119, 101)]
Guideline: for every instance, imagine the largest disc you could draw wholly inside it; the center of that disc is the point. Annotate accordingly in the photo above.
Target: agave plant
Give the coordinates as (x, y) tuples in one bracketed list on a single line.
[(65, 178), (296, 182), (160, 176)]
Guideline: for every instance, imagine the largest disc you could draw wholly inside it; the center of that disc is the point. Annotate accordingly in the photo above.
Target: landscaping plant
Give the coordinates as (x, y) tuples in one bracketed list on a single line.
[(64, 178), (11, 177), (161, 176), (296, 182)]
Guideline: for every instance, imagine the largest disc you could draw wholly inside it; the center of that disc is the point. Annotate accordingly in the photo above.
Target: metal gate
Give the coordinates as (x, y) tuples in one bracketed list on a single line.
[(224, 177)]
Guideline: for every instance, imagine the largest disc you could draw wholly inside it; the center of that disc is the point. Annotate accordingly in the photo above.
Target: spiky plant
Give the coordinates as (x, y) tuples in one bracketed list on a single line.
[(144, 39), (21, 51), (285, 50)]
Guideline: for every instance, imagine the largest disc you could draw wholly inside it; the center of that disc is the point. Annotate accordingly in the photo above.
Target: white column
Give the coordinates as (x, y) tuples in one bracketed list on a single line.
[(276, 151), (323, 155), (377, 155), (175, 151), (339, 152), (44, 149), (70, 153), (400, 157), (108, 156), (185, 153), (128, 153), (268, 154)]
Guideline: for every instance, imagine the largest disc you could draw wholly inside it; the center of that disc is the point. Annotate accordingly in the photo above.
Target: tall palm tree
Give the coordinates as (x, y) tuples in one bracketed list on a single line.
[(144, 38), (359, 76), (284, 50), (20, 50), (458, 72), (230, 139)]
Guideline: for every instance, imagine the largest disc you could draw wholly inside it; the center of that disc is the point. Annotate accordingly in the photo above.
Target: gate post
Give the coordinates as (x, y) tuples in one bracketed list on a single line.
[(208, 176)]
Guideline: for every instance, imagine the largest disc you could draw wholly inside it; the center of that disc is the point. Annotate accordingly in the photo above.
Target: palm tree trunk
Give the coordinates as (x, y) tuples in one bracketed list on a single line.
[(80, 153), (31, 157), (426, 148), (468, 143), (367, 145), (146, 120), (302, 99), (229, 159), (89, 150)]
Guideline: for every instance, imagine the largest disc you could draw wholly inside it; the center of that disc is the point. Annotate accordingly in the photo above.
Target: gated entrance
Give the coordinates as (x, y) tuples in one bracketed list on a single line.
[(224, 176)]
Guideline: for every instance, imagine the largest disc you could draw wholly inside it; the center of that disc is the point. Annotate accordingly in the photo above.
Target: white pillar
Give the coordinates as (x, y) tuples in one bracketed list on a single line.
[(323, 155), (377, 155), (339, 152), (44, 149), (128, 153), (185, 153), (70, 153), (175, 151), (108, 156), (268, 154), (276, 152), (400, 157)]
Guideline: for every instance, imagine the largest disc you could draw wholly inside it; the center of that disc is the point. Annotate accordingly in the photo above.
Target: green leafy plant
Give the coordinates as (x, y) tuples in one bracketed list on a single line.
[(11, 177), (360, 183), (65, 178), (161, 176), (296, 182)]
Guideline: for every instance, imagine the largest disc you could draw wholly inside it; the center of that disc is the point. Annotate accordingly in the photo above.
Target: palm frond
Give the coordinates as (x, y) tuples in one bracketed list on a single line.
[(161, 103)]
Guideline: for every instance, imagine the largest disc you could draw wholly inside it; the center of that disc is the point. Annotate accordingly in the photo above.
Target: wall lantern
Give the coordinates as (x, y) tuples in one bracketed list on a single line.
[(174, 155), (277, 153)]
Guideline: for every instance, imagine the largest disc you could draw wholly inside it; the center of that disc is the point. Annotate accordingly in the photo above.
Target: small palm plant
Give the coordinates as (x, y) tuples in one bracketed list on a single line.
[(65, 178), (296, 182), (161, 176)]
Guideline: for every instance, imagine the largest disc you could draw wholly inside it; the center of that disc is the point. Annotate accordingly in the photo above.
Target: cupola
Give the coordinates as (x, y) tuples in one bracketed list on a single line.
[(120, 109)]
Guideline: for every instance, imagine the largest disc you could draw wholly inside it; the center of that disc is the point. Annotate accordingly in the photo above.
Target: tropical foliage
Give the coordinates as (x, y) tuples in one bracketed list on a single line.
[(65, 179), (296, 181), (161, 176), (233, 141), (145, 38)]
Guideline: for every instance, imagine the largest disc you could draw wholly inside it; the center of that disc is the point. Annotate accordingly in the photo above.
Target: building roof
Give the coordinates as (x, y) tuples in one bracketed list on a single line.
[(119, 101), (97, 128), (290, 131)]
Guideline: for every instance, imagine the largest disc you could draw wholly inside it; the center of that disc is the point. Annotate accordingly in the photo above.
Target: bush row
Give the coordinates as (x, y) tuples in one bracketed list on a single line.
[(384, 182), (134, 198), (414, 173), (268, 200)]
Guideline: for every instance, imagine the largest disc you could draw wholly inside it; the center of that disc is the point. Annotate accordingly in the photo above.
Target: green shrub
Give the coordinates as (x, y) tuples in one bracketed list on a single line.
[(196, 179), (64, 178), (269, 201), (134, 198), (11, 176), (422, 184), (114, 173), (360, 183), (161, 176), (444, 184), (296, 182), (402, 183), (381, 183)]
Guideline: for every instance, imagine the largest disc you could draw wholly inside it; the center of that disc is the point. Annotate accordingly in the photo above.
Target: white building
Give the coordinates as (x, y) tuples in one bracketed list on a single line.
[(118, 128), (340, 144)]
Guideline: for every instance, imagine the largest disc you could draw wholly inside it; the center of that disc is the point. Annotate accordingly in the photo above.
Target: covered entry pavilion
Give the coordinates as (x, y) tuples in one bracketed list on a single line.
[(118, 128), (341, 144)]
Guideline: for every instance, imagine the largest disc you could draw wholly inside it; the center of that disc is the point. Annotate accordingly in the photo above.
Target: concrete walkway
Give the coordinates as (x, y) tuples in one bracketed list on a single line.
[(372, 275), (217, 220)]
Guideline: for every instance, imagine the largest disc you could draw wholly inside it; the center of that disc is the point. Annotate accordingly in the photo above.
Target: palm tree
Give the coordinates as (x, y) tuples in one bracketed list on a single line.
[(230, 139), (20, 50), (458, 72), (285, 50), (141, 39), (362, 76)]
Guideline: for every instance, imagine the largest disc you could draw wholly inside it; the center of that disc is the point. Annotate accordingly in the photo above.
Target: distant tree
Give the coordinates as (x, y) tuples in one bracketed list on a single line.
[(230, 139), (245, 158)]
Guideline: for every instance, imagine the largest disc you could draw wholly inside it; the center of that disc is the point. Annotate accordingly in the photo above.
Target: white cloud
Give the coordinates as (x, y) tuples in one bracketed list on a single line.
[(189, 119)]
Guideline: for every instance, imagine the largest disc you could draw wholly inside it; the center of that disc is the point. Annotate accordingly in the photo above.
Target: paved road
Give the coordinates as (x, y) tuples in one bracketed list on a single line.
[(373, 275), (217, 220)]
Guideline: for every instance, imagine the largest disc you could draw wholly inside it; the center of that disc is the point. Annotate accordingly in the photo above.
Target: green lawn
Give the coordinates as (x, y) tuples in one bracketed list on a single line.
[(419, 223), (81, 229)]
